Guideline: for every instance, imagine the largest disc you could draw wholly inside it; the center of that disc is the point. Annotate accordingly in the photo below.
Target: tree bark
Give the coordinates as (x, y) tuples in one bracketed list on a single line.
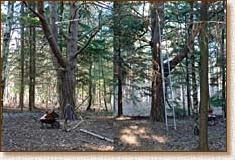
[(104, 84), (32, 67), (193, 75), (99, 83), (65, 66), (67, 88), (5, 43), (183, 100), (90, 95), (21, 103), (50, 37), (120, 107), (67, 77), (188, 84), (157, 112), (204, 86), (157, 95), (117, 60), (223, 66)]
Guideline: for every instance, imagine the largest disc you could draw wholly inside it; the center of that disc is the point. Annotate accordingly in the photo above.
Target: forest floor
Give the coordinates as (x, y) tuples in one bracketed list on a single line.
[(22, 132)]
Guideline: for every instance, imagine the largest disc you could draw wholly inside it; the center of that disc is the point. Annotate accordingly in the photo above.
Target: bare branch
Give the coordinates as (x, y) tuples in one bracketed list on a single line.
[(84, 35), (48, 33), (187, 48), (49, 36), (92, 35), (32, 10)]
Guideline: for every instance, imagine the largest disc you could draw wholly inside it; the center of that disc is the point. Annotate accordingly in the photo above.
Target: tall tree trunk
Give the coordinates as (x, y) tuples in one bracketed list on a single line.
[(204, 86), (99, 83), (157, 112), (90, 95), (21, 103), (82, 94), (48, 93), (65, 66), (104, 84), (54, 20), (157, 108), (223, 66), (6, 41), (67, 77), (193, 74), (61, 73), (120, 107), (57, 64), (183, 101), (67, 88), (117, 59), (188, 84), (32, 69)]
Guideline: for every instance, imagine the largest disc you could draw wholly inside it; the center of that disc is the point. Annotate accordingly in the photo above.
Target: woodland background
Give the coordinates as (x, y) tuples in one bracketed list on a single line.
[(122, 66)]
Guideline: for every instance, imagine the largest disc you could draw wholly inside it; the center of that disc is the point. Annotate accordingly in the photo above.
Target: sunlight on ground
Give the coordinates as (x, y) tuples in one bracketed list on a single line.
[(160, 139), (138, 130), (130, 139), (133, 129), (126, 131), (89, 146), (133, 134), (122, 118)]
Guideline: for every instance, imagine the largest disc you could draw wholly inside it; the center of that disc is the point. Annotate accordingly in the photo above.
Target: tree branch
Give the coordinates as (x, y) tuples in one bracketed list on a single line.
[(177, 59), (49, 36), (84, 35), (32, 10), (92, 35)]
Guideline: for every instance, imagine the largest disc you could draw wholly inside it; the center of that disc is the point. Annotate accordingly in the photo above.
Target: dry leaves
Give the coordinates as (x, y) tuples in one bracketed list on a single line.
[(21, 132)]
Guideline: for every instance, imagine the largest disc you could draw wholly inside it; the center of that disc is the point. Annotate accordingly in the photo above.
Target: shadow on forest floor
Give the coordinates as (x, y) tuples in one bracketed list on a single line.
[(145, 135), (21, 132)]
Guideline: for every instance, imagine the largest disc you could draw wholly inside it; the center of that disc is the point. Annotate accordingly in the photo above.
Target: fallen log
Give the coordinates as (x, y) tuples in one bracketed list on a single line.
[(69, 129), (96, 135)]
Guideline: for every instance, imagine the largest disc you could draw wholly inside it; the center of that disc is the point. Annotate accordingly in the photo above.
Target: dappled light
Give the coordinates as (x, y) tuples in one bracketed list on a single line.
[(122, 118), (134, 129), (159, 138), (130, 139), (95, 147), (131, 134), (135, 134), (113, 76), (126, 131)]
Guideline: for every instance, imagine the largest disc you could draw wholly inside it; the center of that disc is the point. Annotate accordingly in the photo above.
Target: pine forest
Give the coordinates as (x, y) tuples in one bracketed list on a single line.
[(113, 76)]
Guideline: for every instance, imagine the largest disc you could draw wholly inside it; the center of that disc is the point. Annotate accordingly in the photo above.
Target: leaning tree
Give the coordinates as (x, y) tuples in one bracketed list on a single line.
[(157, 16), (65, 64)]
